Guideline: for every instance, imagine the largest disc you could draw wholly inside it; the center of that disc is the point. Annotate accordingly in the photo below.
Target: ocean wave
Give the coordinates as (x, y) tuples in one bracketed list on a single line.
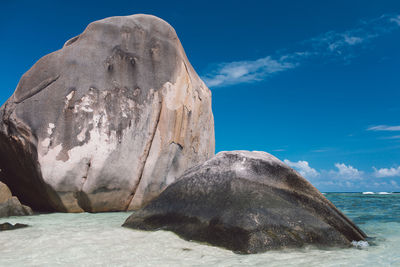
[(368, 193), (384, 193)]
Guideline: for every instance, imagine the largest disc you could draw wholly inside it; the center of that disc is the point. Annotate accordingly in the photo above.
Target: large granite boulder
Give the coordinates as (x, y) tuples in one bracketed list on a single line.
[(108, 121), (248, 202), (9, 205)]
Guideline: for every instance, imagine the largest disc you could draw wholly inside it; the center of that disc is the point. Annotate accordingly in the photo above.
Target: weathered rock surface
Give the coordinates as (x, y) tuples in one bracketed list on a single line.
[(108, 121), (248, 202), (8, 226), (9, 205), (5, 193)]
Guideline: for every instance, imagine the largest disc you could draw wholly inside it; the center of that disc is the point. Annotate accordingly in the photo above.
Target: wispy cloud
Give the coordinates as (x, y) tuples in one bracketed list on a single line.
[(333, 45), (384, 128), (247, 71), (387, 172), (396, 19)]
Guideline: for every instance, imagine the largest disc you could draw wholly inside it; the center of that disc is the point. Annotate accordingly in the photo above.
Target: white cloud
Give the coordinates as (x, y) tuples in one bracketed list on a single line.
[(331, 45), (345, 177), (346, 171), (384, 128), (343, 173), (303, 168), (246, 71), (387, 172)]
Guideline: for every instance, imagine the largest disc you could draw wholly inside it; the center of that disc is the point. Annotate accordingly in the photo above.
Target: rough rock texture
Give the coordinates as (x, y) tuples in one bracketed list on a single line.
[(9, 205), (8, 226), (108, 121), (248, 202), (5, 193)]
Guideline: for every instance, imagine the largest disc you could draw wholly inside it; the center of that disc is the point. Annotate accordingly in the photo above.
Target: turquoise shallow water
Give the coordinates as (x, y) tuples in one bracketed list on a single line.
[(98, 240)]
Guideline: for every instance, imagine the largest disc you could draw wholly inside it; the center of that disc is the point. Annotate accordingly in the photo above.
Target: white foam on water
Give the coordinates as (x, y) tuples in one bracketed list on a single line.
[(368, 193), (384, 193), (360, 244)]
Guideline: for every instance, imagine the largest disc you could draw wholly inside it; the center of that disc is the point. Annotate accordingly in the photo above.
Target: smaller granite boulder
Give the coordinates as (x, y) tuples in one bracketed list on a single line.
[(8, 226), (9, 205), (248, 202)]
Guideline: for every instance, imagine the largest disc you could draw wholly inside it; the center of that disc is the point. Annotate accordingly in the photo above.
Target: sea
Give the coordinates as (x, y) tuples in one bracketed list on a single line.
[(85, 239)]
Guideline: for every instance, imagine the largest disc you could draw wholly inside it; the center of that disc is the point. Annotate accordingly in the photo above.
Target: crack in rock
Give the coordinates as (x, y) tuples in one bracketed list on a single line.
[(146, 155), (37, 89)]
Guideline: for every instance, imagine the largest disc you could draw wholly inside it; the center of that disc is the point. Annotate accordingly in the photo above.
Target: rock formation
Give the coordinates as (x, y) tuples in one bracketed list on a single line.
[(9, 205), (248, 202), (8, 226), (108, 121)]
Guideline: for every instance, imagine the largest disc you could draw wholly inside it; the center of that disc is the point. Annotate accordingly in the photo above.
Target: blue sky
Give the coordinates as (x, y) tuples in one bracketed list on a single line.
[(316, 83)]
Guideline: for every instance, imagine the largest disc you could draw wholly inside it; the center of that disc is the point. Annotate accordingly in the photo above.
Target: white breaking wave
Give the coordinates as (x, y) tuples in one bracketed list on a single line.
[(384, 193), (368, 193)]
